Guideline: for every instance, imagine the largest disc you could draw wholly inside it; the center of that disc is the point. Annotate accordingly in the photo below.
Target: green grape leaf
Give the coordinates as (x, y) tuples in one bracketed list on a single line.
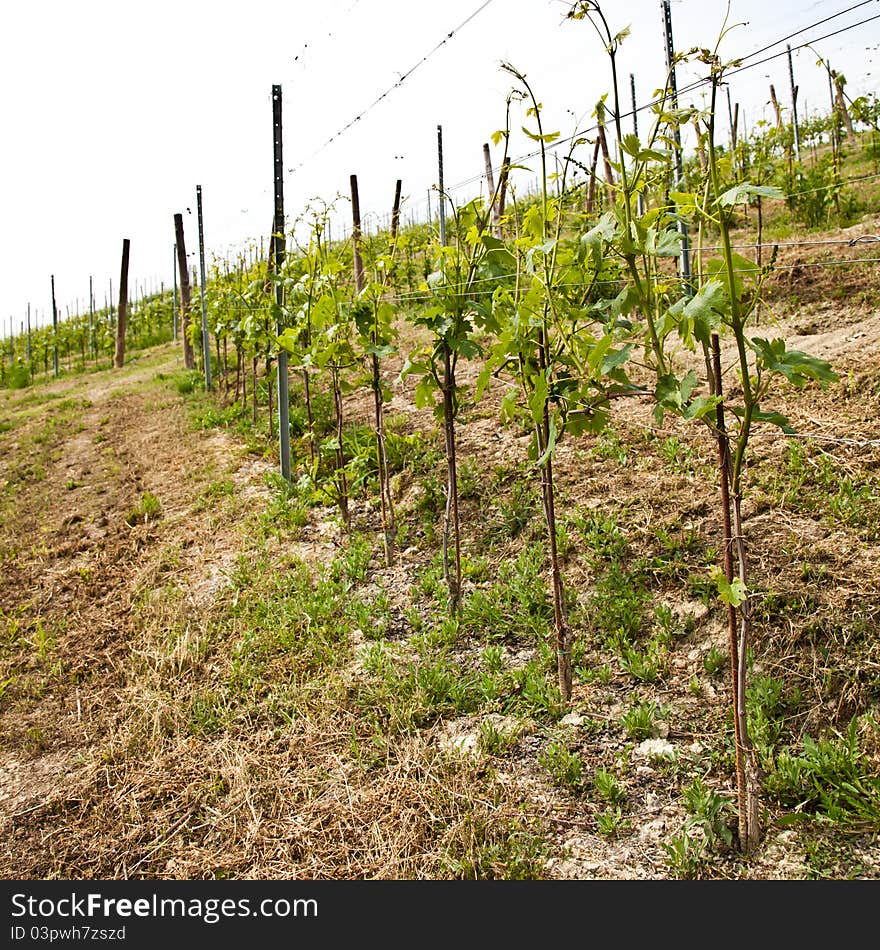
[(745, 191), (797, 367), (731, 592)]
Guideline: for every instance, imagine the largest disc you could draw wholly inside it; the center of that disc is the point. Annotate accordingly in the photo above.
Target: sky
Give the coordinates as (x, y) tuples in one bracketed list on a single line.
[(113, 113)]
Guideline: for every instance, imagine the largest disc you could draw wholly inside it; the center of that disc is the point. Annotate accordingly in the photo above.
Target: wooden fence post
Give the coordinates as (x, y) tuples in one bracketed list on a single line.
[(189, 359), (119, 357)]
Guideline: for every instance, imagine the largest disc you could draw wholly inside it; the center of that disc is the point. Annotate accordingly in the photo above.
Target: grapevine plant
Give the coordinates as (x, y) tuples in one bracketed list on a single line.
[(563, 354), (675, 319), (457, 311)]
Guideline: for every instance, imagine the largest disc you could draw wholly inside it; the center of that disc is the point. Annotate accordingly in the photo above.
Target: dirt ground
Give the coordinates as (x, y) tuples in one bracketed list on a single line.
[(77, 559)]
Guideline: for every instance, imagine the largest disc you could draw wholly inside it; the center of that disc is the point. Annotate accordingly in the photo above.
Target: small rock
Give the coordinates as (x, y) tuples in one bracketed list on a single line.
[(653, 830), (465, 744), (656, 748)]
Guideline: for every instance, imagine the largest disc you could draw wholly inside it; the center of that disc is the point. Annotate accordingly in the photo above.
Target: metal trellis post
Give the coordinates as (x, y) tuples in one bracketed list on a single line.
[(278, 238), (206, 348), (684, 260)]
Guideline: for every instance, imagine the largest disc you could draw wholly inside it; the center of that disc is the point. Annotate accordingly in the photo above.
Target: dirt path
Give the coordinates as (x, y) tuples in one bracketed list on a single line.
[(70, 602)]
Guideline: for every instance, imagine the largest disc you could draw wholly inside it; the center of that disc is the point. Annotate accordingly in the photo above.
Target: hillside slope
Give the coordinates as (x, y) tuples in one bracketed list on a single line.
[(202, 674)]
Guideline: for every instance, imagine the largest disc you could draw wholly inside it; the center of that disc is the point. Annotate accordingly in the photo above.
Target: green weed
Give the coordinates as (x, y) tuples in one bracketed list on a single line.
[(607, 787), (148, 509), (566, 768), (647, 664), (684, 856), (830, 778), (710, 812), (617, 607), (638, 720), (678, 455), (610, 822), (487, 850), (495, 740), (601, 534), (715, 660)]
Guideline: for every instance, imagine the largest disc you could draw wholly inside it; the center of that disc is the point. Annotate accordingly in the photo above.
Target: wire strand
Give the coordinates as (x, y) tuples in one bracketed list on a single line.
[(852, 442), (396, 85)]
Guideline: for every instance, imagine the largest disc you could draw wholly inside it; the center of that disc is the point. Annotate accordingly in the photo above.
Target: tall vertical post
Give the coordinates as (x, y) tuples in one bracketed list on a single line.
[(490, 178), (206, 346), (833, 106), (119, 356), (395, 211), (794, 115), (640, 198), (91, 319), (684, 259), (174, 298), (776, 110), (278, 239), (441, 198), (189, 360), (356, 235), (502, 192), (841, 104), (632, 91), (451, 566), (29, 334), (54, 331), (730, 120)]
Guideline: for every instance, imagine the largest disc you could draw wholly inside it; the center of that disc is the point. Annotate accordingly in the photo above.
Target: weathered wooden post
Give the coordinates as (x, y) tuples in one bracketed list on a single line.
[(119, 356), (189, 359)]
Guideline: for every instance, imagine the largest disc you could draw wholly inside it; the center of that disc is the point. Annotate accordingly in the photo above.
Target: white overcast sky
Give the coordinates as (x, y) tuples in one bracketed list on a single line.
[(113, 112)]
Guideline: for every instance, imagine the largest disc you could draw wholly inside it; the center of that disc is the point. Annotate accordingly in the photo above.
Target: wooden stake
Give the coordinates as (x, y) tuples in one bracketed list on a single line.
[(746, 769), (54, 330), (502, 194), (591, 187), (189, 359), (119, 356), (395, 213), (356, 235), (841, 104), (701, 152), (174, 297), (776, 109), (794, 114), (606, 161), (203, 294), (490, 177)]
